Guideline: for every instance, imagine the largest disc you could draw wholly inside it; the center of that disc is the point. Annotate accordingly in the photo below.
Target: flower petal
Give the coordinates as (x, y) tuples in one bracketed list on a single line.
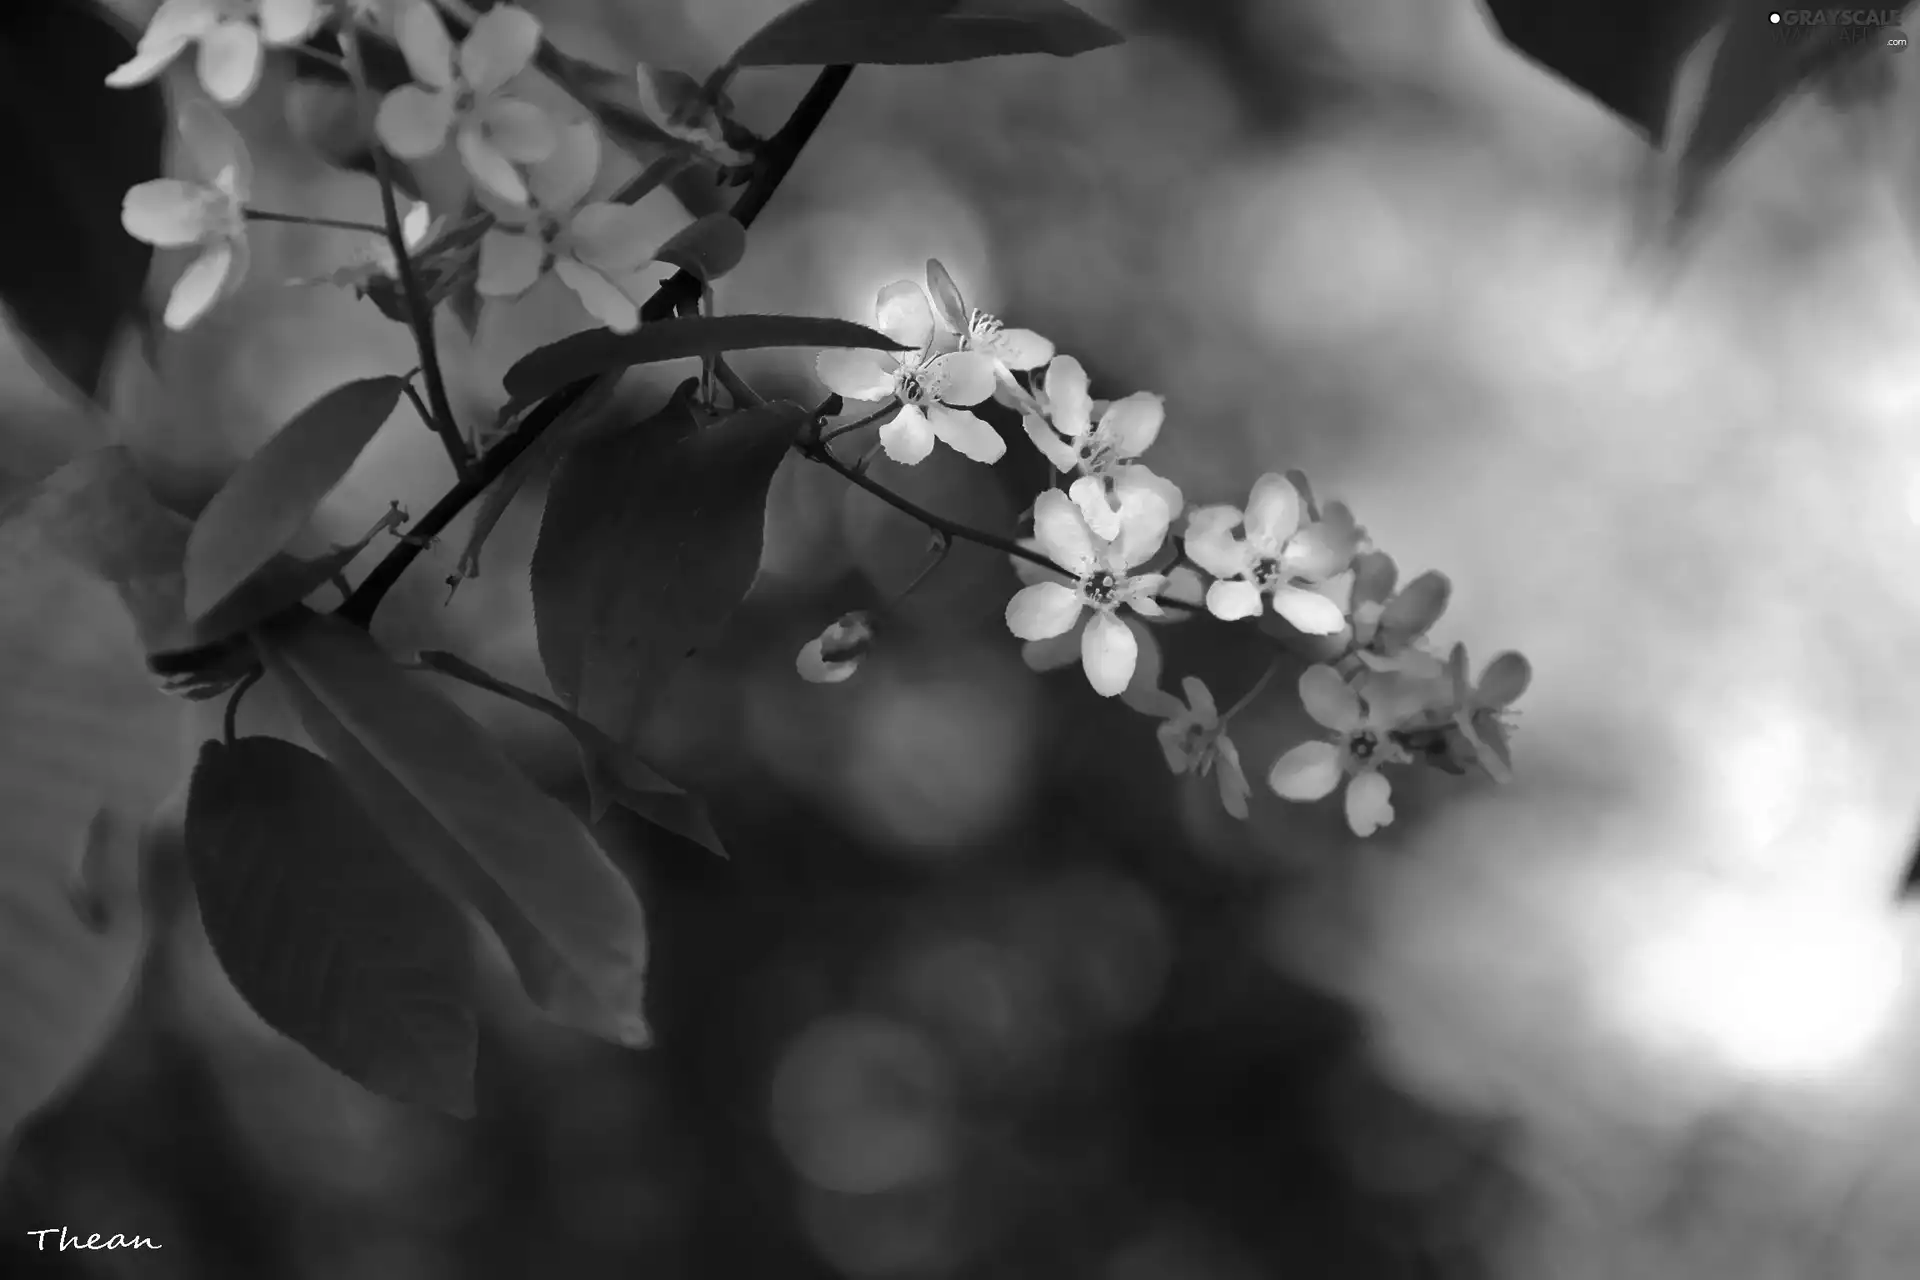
[(1369, 803), (1374, 573), (1234, 789), (1504, 680), (1048, 442), (1020, 349), (1131, 477), (1308, 772), (424, 42), (230, 61), (1273, 513), (600, 296), (1414, 610), (1044, 610), (1172, 734), (1200, 698), (1310, 611), (1067, 402), (1108, 651), (154, 54), (499, 47), (520, 131), (612, 237), (285, 22), (487, 166), (413, 122), (1328, 699), (1062, 532), (855, 375), (1317, 551), (509, 263), (959, 377), (564, 178), (1185, 585), (1210, 542), (1028, 572), (1132, 423), (908, 439), (169, 212), (1090, 495), (1230, 600), (902, 313), (200, 286), (1143, 529), (967, 434), (815, 669)]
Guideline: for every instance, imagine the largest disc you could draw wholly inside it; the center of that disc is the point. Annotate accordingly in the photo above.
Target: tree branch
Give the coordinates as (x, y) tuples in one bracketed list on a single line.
[(773, 164)]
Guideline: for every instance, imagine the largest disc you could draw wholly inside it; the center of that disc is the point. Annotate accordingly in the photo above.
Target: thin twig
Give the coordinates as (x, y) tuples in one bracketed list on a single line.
[(304, 220), (774, 163), (1246, 699), (229, 723), (419, 314), (867, 421)]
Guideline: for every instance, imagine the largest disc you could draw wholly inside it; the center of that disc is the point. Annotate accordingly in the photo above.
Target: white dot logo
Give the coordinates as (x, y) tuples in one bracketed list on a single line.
[(1774, 18)]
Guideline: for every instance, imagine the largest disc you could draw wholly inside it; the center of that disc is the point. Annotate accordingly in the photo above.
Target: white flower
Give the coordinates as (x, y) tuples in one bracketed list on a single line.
[(463, 95), (1011, 350), (597, 250), (836, 653), (1100, 453), (211, 214), (1363, 741), (932, 390), (1103, 580), (1143, 693), (1276, 558), (230, 34), (1480, 708), (673, 100), (1194, 740), (1390, 632)]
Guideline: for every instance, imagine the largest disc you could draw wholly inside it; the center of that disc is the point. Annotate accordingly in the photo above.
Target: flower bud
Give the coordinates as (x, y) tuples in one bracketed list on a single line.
[(836, 653)]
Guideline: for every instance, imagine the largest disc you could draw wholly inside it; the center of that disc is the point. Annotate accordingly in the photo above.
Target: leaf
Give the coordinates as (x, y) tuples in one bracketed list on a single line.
[(919, 32), (477, 827), (1754, 67), (552, 442), (281, 583), (99, 514), (614, 774), (594, 351), (650, 540), (54, 59), (707, 247), (326, 931), (275, 492), (947, 302)]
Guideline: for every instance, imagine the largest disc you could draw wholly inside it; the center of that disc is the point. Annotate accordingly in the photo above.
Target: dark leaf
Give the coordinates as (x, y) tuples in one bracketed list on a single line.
[(594, 351), (280, 584), (918, 32), (478, 828), (947, 302), (77, 146), (274, 493), (650, 540), (329, 934), (614, 774)]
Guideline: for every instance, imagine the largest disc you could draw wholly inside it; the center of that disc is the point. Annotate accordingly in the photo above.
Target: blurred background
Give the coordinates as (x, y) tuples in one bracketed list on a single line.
[(983, 991)]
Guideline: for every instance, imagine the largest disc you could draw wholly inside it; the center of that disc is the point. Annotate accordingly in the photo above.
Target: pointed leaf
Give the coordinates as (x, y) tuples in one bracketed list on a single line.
[(326, 931), (448, 794), (650, 540), (707, 247), (275, 492), (947, 302), (582, 355), (281, 583), (918, 32), (54, 60)]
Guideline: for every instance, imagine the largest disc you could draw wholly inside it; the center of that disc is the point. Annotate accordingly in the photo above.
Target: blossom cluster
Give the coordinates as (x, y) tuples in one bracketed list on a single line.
[(530, 171), (1115, 545)]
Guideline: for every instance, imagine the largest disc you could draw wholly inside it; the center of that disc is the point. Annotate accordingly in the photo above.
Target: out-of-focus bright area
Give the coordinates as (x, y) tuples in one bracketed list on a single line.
[(984, 992)]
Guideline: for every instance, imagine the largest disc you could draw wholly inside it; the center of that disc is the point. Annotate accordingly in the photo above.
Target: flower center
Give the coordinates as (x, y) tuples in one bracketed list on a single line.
[(912, 390), (1362, 745), (1266, 573), (1100, 590)]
